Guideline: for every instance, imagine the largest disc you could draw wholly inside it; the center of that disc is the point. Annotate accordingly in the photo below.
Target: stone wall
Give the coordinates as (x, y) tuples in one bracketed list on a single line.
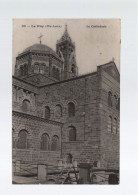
[(23, 91), (84, 93), (35, 127), (89, 93), (109, 141)]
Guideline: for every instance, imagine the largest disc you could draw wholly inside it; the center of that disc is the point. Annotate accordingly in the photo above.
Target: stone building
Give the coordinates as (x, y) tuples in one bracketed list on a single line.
[(57, 113)]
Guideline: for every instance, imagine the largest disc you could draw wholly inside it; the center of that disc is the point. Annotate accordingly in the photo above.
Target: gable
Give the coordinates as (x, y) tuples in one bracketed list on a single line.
[(112, 70)]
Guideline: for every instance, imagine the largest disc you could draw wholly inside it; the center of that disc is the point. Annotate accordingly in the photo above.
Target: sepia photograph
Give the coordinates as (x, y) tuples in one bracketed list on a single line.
[(66, 101)]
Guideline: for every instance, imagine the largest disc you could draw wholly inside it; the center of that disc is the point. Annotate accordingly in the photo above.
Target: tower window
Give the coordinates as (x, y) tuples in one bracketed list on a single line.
[(73, 68), (71, 109), (36, 68), (42, 68), (22, 140), (22, 70), (47, 112), (26, 105), (55, 143), (72, 133), (45, 142), (25, 69)]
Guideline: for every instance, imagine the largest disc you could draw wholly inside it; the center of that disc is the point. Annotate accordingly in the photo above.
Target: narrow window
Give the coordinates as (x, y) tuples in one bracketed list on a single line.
[(21, 71), (57, 74), (55, 143), (72, 133), (26, 106), (36, 68), (115, 100), (71, 109), (22, 140), (73, 68), (54, 72), (110, 124), (58, 111), (42, 68), (47, 112), (25, 69), (45, 142), (110, 99), (115, 126)]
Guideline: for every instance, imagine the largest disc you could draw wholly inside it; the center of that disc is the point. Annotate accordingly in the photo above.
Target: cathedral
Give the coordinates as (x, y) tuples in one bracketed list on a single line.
[(57, 113)]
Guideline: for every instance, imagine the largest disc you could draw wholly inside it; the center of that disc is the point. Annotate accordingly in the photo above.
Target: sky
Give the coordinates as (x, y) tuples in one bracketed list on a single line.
[(97, 41)]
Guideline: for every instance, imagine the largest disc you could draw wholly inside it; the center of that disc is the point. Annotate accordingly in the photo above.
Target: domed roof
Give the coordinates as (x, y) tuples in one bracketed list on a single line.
[(40, 48)]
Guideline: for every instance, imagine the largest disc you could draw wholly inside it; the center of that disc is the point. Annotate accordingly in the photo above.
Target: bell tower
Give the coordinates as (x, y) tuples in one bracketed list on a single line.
[(65, 49)]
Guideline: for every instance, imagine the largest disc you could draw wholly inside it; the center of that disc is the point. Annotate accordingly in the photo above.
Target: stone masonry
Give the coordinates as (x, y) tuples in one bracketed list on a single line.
[(48, 101)]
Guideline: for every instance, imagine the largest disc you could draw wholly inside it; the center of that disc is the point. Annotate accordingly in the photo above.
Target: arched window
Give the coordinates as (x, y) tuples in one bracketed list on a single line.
[(42, 68), (110, 124), (36, 67), (57, 73), (55, 143), (45, 142), (73, 68), (47, 112), (58, 111), (25, 69), (71, 109), (54, 72), (115, 126), (115, 100), (22, 140), (72, 133), (13, 138), (110, 99), (26, 105), (22, 70)]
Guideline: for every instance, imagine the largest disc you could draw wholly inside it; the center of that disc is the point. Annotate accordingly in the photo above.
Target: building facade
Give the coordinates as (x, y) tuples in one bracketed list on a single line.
[(57, 113)]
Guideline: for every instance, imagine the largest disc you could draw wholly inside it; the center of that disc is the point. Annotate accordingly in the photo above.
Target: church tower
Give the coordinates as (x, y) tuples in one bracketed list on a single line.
[(65, 49)]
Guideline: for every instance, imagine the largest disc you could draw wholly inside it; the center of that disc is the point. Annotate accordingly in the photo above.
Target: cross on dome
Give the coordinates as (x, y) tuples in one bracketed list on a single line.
[(40, 37)]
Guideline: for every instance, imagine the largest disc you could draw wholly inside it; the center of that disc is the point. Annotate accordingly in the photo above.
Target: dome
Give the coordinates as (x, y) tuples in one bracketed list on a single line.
[(40, 48)]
